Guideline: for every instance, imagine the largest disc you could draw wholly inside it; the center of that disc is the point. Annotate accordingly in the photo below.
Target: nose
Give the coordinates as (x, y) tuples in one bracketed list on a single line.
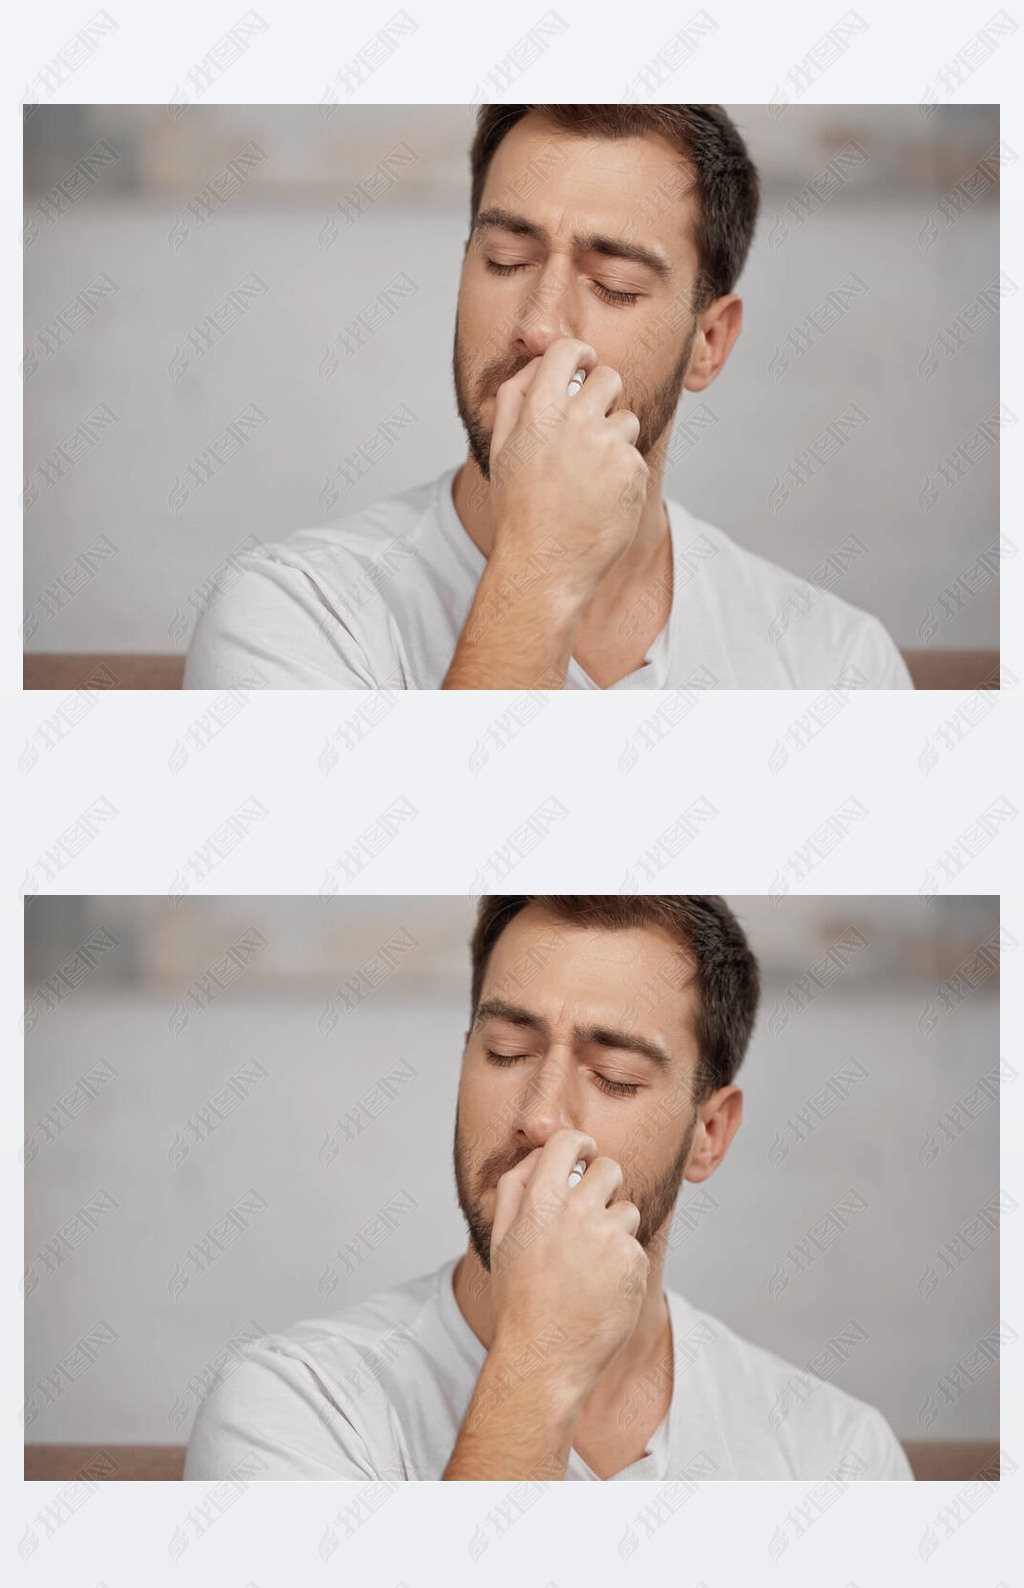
[(549, 309), (548, 1102)]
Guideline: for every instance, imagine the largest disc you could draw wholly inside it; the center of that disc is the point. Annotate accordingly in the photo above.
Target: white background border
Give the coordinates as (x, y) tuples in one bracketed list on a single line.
[(467, 815)]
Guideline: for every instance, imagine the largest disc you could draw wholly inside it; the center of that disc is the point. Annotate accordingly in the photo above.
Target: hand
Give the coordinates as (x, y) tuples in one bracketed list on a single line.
[(566, 1256), (566, 469)]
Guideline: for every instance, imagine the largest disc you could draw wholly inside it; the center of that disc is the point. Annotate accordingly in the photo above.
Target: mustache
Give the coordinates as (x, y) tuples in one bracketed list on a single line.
[(492, 1171), (489, 383)]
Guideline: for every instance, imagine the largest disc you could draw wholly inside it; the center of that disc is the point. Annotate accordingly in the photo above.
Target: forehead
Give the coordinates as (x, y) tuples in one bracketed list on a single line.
[(636, 187), (636, 977)]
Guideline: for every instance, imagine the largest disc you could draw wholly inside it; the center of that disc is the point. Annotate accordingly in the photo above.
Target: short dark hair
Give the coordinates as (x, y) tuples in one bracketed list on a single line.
[(714, 158), (714, 951)]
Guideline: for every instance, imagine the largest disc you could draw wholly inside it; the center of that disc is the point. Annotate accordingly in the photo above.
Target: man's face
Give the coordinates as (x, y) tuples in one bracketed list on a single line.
[(573, 1008), (628, 188)]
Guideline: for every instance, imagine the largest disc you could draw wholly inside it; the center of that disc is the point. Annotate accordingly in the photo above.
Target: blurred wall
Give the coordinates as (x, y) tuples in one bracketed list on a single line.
[(300, 1062), (186, 266)]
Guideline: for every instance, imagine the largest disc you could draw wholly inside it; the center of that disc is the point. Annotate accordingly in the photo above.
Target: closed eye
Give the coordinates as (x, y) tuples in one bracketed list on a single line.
[(606, 292), (613, 1088)]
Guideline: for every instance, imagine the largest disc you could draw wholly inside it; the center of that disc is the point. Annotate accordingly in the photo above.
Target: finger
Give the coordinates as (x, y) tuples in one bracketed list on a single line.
[(601, 1181), (625, 420), (562, 358), (508, 403), (565, 354), (602, 389), (511, 1188), (562, 1150), (628, 1214)]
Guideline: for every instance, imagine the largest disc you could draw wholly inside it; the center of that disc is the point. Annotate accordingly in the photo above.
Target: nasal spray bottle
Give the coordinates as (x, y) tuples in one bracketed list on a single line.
[(576, 382)]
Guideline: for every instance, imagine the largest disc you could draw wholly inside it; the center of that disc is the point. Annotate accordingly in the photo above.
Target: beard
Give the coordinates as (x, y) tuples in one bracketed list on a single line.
[(654, 406), (654, 1196)]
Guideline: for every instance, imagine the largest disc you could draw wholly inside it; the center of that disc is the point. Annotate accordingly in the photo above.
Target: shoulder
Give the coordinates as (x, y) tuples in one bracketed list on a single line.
[(308, 1398), (377, 1325), (378, 539), (810, 1427), (305, 609), (800, 626)]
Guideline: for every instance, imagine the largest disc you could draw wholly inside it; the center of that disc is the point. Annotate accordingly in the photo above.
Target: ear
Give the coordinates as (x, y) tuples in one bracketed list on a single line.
[(720, 325), (719, 1118)]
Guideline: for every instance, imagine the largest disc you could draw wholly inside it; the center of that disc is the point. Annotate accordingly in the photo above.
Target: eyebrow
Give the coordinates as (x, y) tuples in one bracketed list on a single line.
[(584, 243), (598, 1036)]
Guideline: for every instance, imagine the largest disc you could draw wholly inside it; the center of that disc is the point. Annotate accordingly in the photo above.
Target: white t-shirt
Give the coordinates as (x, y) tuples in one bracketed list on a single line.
[(377, 599), (379, 1391)]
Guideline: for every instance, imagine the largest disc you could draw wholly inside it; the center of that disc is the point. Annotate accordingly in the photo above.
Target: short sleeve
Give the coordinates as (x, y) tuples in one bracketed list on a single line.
[(885, 1456), (273, 1409), (875, 656), (277, 626)]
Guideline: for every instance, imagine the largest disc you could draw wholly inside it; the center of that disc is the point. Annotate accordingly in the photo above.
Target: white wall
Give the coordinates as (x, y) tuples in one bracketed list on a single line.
[(128, 1141), (127, 355)]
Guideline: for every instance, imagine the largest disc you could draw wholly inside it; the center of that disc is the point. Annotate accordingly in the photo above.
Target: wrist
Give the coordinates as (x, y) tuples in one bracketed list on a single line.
[(529, 1367), (538, 579)]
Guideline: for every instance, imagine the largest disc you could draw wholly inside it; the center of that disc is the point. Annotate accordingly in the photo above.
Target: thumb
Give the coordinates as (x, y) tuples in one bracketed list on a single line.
[(507, 406), (511, 1190)]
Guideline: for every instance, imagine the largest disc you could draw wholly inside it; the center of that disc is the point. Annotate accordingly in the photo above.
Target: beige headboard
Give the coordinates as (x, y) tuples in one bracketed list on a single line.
[(67, 670), (942, 1459), (60, 670)]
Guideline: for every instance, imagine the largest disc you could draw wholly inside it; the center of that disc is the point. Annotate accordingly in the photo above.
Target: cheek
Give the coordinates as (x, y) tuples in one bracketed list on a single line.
[(479, 1104), (476, 300), (635, 1152)]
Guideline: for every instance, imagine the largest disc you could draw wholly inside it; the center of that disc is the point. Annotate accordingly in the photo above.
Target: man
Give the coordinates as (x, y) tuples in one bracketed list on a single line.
[(605, 240), (597, 1075)]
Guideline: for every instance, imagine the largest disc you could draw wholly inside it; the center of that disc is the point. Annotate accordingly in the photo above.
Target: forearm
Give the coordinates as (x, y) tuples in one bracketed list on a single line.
[(515, 1426), (520, 630)]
